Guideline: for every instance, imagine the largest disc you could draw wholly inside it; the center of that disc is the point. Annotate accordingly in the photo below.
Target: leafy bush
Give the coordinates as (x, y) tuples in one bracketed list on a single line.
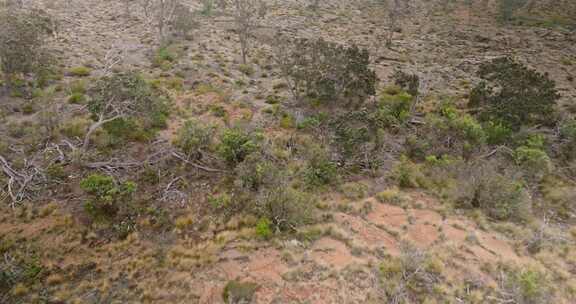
[(257, 172), (320, 171), (80, 71), (236, 145), (263, 228), (127, 97), (535, 161), (528, 286), (409, 174), (513, 95), (107, 195), (326, 71), (408, 82), (22, 44), (568, 139), (239, 292), (497, 133), (500, 196), (394, 109), (285, 207), (194, 139)]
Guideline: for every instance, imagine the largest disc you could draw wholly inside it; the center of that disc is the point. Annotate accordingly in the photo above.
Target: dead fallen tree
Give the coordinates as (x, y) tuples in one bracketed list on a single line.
[(23, 183)]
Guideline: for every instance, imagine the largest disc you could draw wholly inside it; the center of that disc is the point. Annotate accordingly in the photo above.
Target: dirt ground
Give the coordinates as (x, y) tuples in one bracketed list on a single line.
[(332, 262)]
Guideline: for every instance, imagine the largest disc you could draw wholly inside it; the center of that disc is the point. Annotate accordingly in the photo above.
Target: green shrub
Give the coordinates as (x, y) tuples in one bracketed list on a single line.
[(80, 71), (257, 172), (75, 127), (409, 174), (246, 69), (55, 172), (326, 71), (236, 145), (285, 207), (218, 111), (533, 160), (221, 202), (526, 285), (76, 98), (320, 171), (164, 58), (126, 103), (263, 228), (107, 195), (394, 109), (500, 196), (239, 292), (194, 138), (22, 47), (497, 133), (568, 139), (514, 95)]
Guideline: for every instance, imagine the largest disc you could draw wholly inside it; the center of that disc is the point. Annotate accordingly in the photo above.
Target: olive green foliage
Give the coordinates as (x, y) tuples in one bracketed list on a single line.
[(107, 196), (236, 144), (532, 157), (513, 94), (320, 171), (23, 36), (526, 285), (80, 71), (239, 292), (257, 172), (568, 139), (328, 72), (194, 139), (286, 208), (500, 196), (127, 97), (357, 137), (448, 132), (20, 265), (409, 82), (394, 108), (497, 133)]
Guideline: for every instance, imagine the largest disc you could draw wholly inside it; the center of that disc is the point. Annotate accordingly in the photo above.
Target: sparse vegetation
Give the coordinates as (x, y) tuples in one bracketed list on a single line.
[(237, 151)]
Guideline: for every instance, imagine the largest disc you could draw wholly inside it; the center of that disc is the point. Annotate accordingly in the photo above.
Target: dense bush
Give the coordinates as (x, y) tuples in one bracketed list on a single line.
[(108, 196), (256, 172), (513, 95), (500, 196), (526, 285), (285, 207), (326, 71), (22, 44), (568, 139), (194, 139), (320, 171), (127, 97), (393, 109), (236, 145), (447, 132)]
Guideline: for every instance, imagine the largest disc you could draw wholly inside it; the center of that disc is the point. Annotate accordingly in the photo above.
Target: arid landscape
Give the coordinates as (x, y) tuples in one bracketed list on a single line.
[(294, 151)]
